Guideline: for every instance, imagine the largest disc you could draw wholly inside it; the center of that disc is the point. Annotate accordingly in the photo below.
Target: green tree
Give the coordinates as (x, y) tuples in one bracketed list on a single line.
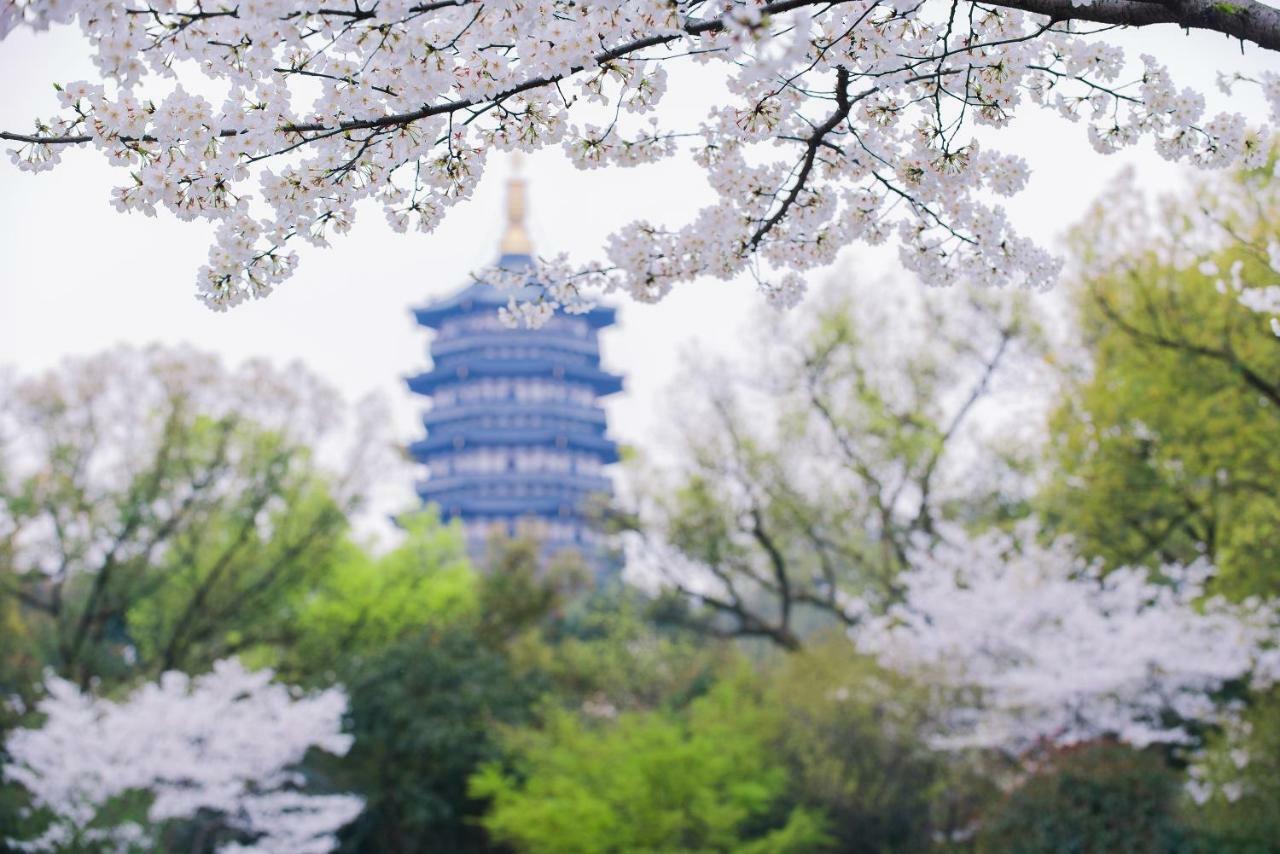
[(613, 651), (367, 603), (1100, 796), (425, 713), (157, 510), (854, 737), (433, 678), (1164, 447), (523, 588), (1239, 773), (701, 780)]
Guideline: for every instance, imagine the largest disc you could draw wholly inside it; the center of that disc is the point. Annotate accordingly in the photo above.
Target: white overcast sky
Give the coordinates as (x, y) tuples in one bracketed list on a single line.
[(76, 277)]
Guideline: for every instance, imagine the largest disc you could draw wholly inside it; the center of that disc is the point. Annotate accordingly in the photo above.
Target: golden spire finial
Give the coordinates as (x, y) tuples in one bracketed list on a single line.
[(516, 239)]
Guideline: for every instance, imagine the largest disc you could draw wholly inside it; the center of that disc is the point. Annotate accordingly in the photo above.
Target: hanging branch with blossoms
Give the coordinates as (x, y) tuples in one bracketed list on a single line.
[(841, 122)]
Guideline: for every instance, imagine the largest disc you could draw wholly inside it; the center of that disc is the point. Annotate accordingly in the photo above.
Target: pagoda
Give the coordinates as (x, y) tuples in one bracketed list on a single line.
[(516, 440)]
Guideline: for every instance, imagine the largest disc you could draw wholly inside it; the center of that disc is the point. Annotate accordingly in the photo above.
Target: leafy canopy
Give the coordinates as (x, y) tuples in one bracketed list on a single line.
[(697, 781)]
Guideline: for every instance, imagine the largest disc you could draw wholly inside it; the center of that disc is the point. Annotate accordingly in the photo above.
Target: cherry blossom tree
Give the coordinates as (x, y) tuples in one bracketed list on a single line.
[(842, 122), (1058, 652), (220, 743)]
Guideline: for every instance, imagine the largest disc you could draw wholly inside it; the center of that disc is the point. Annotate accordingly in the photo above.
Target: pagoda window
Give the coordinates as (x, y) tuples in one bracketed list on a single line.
[(540, 460), (536, 391), (482, 461), (584, 464), (483, 322)]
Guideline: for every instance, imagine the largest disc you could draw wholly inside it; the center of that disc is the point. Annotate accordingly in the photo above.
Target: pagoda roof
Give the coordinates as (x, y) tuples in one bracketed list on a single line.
[(602, 382), (482, 296)]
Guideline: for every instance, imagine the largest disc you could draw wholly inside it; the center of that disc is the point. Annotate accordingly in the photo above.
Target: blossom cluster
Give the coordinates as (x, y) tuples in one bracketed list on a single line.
[(223, 743), (1057, 652), (839, 123)]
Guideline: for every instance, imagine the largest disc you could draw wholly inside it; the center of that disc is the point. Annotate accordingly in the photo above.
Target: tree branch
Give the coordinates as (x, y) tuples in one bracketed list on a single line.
[(1259, 383), (1247, 20)]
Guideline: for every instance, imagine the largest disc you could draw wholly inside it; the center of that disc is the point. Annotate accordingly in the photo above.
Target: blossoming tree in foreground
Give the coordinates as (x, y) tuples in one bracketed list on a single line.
[(1058, 652), (841, 122), (221, 743)]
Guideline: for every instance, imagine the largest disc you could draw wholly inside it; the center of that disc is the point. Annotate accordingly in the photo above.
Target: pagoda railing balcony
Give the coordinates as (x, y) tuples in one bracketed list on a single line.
[(482, 298), (549, 355), (600, 381), (511, 338), (573, 483), (551, 507), (603, 447), (505, 407), (531, 424)]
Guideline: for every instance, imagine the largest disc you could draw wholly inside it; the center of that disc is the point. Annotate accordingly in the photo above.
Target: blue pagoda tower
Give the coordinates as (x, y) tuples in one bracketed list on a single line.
[(516, 436)]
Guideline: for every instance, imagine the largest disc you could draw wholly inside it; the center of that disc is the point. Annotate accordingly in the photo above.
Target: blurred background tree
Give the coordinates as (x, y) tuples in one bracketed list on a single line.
[(1164, 441), (162, 510), (425, 714), (803, 479), (1099, 796)]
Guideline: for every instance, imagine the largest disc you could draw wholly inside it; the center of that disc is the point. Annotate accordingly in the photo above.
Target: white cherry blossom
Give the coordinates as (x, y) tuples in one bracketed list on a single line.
[(1054, 651), (223, 742), (841, 123)]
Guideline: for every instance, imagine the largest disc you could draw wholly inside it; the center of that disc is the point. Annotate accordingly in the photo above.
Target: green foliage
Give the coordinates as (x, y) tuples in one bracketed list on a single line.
[(609, 651), (1100, 796), (223, 588), (521, 591), (433, 677), (425, 712), (854, 740), (1242, 765), (1166, 449), (160, 511), (366, 603), (700, 780)]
